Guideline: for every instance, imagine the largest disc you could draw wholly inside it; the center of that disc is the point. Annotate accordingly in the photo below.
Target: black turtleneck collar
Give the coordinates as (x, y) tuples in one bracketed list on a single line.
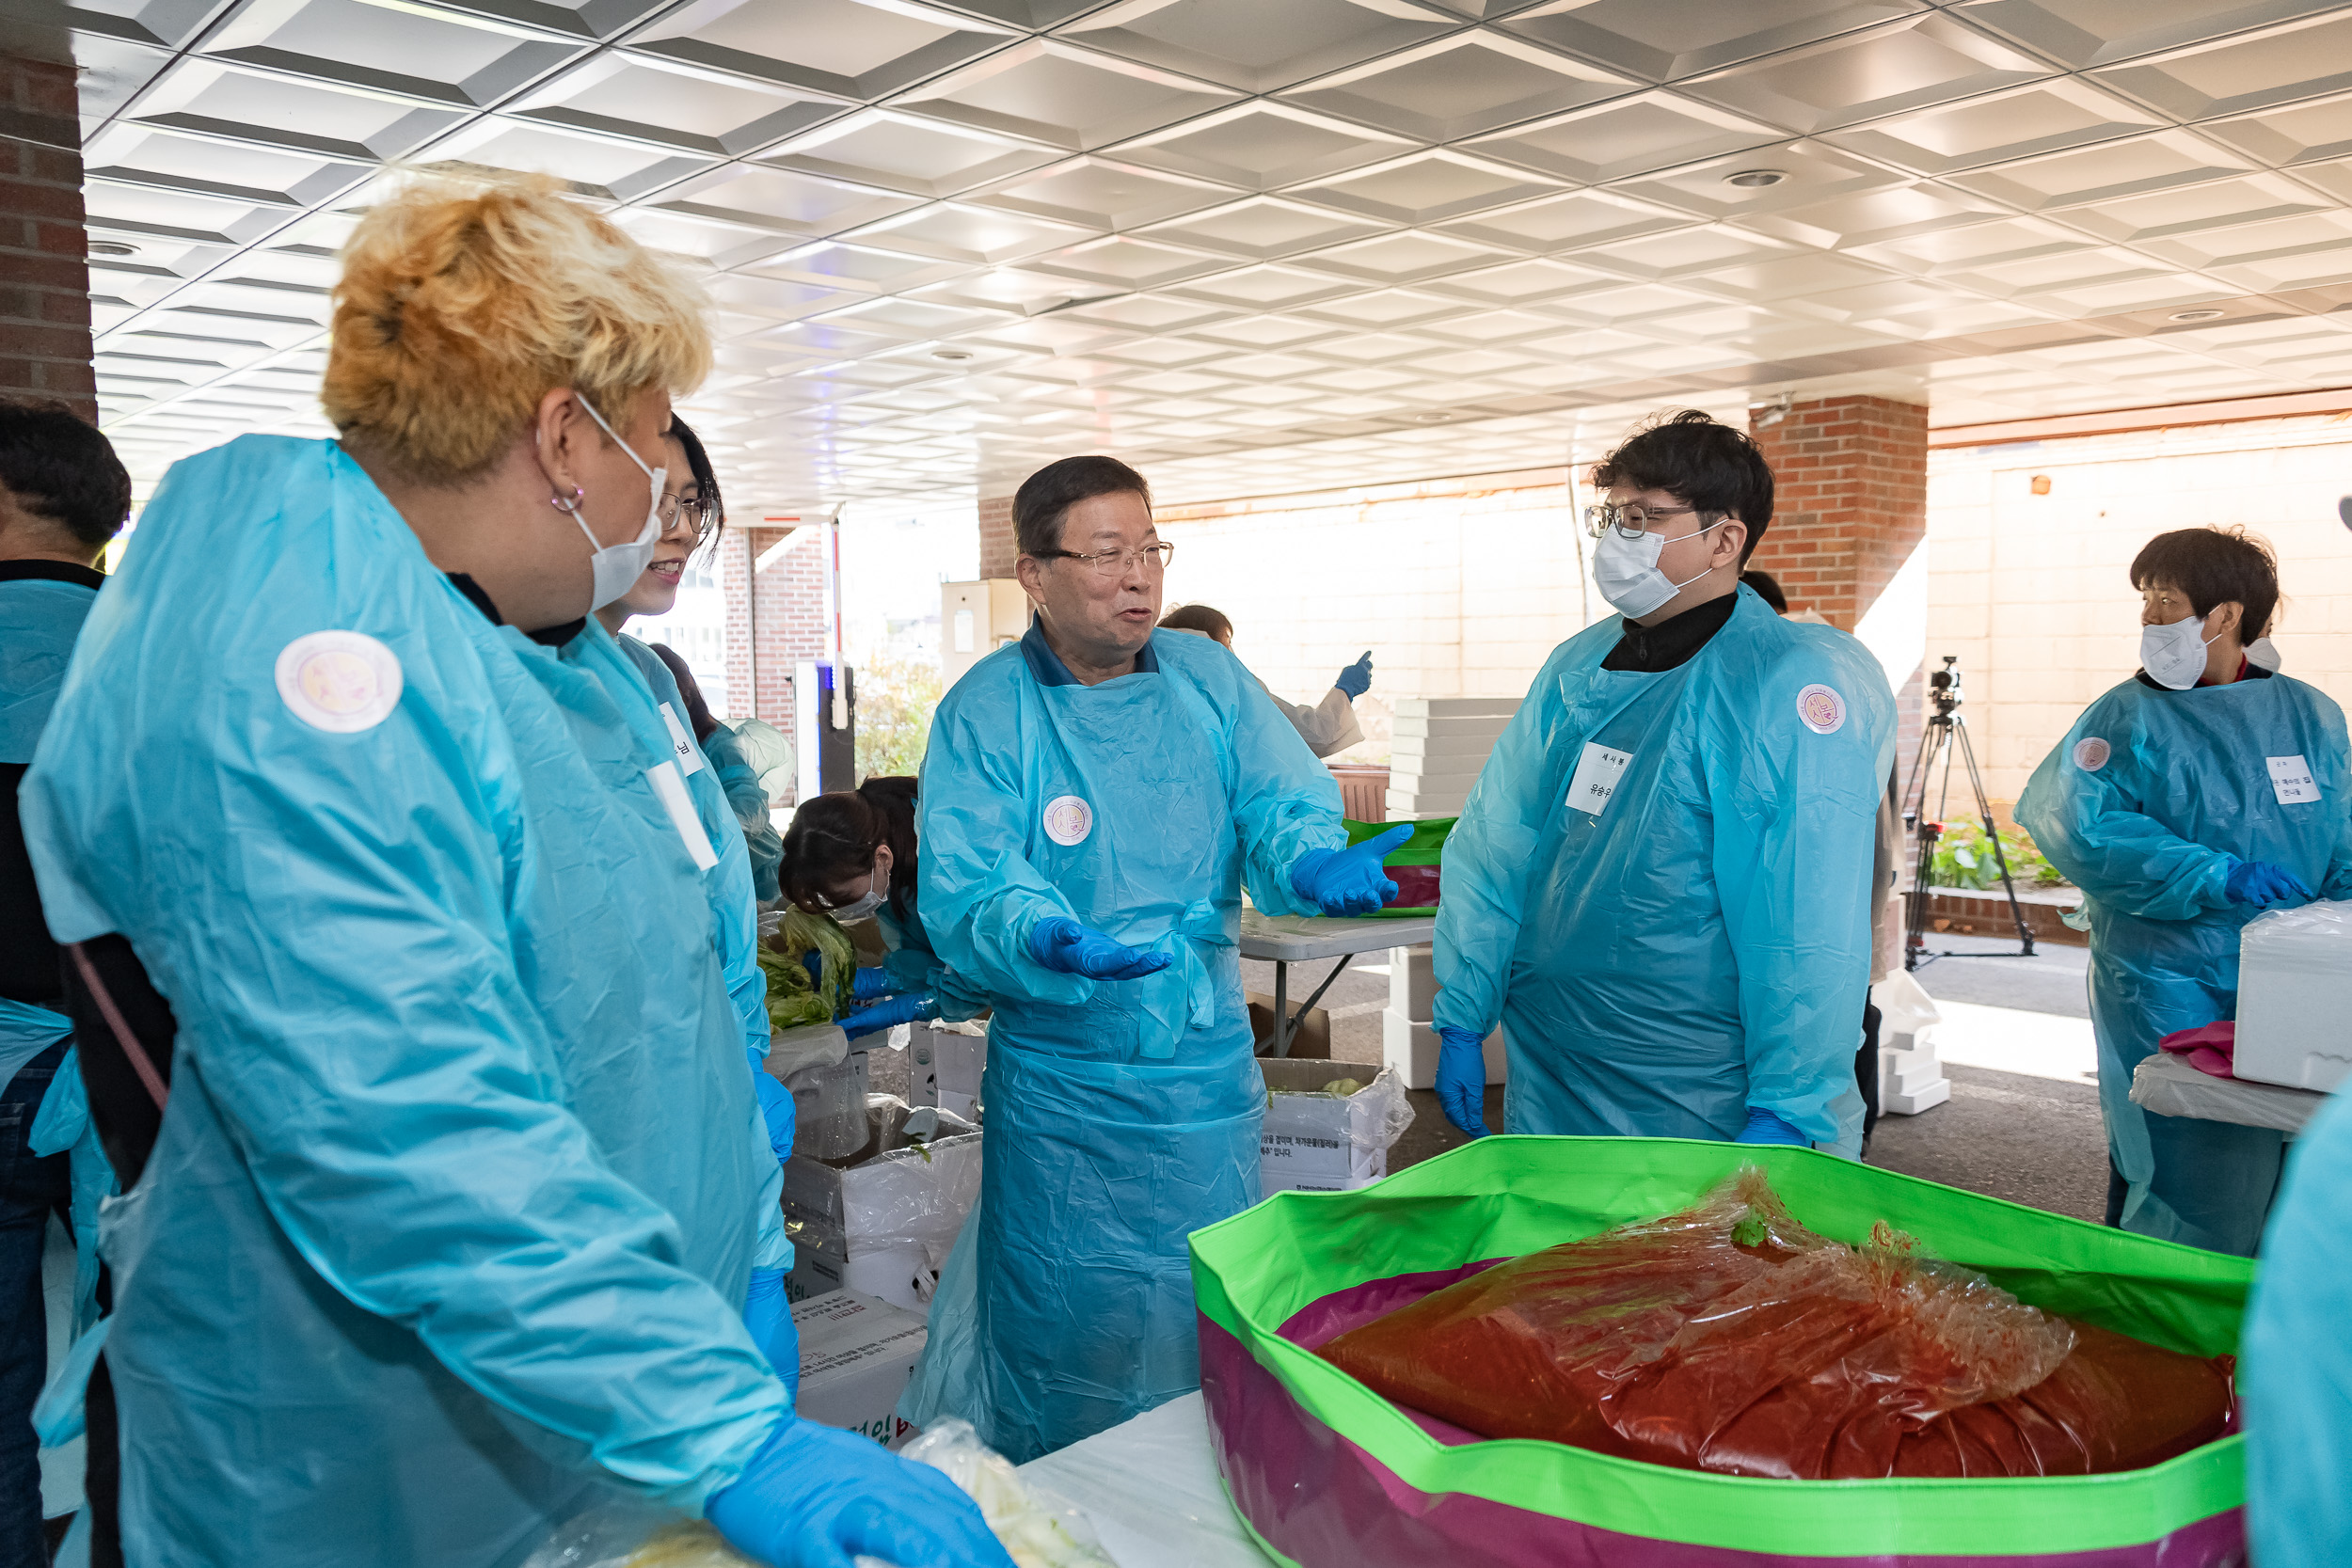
[(547, 637), (52, 571), (1650, 650)]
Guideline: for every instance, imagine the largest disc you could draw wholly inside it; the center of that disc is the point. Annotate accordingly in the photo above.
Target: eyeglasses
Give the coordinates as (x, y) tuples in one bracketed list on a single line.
[(1629, 520), (700, 515), (1114, 563)]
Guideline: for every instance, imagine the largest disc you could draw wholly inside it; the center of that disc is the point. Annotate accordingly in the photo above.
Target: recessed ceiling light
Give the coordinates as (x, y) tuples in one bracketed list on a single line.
[(2196, 315), (953, 355), (1756, 179), (112, 247)]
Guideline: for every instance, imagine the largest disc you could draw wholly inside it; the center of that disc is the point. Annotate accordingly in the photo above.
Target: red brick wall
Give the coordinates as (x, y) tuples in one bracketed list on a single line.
[(44, 257), (769, 634), (1851, 500), (998, 547)]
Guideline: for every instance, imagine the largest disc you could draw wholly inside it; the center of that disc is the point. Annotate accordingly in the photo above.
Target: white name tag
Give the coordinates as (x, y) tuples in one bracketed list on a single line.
[(670, 785), (2291, 781), (690, 757), (1595, 778)]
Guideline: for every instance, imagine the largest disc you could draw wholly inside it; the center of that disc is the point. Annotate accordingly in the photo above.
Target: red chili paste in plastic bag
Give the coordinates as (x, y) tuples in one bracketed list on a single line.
[(1729, 1337)]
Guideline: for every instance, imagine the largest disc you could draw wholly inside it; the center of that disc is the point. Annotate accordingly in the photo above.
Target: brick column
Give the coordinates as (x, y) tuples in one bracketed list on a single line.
[(769, 630), (1850, 505), (45, 256), (998, 547)]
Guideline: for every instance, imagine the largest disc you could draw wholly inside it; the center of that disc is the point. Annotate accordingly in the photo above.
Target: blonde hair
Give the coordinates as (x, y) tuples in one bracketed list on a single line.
[(463, 304)]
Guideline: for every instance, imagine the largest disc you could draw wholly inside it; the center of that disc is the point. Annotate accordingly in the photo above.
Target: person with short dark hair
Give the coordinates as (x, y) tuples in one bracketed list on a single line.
[(2184, 803), (1766, 588), (63, 497), (1093, 799), (1329, 725), (1660, 884)]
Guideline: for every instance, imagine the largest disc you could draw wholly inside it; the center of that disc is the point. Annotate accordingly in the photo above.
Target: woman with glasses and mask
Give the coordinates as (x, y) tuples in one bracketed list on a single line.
[(2202, 791)]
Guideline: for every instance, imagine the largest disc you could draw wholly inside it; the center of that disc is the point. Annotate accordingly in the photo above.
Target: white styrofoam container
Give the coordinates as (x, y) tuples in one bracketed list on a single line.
[(857, 1355), (1456, 707), (1436, 773), (1449, 727), (1410, 1050), (2294, 997), (1399, 804), (1911, 1080), (1310, 1143), (1417, 753), (1412, 983)]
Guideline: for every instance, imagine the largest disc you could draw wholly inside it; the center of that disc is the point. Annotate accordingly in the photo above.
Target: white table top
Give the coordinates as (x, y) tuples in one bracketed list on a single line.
[(2165, 1084), (1291, 938), (1149, 1487)]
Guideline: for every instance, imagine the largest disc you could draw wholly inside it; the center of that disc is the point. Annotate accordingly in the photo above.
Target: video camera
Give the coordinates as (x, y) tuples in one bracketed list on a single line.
[(1943, 686)]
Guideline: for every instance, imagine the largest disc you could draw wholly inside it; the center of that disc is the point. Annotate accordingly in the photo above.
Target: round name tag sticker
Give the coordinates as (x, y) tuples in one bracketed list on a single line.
[(1822, 710), (341, 682), (1068, 820), (2091, 753)]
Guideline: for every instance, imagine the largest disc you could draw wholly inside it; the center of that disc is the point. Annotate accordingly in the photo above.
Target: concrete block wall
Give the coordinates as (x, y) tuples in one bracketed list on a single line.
[(44, 257)]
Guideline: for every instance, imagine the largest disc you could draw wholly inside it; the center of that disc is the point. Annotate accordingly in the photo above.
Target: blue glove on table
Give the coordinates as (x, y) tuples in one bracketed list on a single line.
[(1766, 1128), (1356, 678), (907, 1008), (816, 1496), (1348, 881), (769, 1316), (775, 1108), (2264, 885), (1060, 943), (1462, 1079)]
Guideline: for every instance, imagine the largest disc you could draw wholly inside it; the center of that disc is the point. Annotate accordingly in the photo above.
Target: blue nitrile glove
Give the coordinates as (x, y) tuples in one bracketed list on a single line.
[(1462, 1079), (907, 1008), (1348, 881), (769, 1316), (1356, 678), (872, 984), (1060, 943), (816, 1496), (775, 1108), (2264, 885), (1766, 1128)]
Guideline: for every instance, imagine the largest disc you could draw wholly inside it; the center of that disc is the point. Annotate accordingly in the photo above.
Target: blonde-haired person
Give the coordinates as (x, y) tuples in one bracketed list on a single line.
[(448, 1231)]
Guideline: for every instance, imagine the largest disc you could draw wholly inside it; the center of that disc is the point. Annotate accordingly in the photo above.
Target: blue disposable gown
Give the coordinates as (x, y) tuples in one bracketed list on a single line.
[(1122, 1115), (748, 797), (2296, 1365), (448, 1230), (2150, 801), (1676, 938)]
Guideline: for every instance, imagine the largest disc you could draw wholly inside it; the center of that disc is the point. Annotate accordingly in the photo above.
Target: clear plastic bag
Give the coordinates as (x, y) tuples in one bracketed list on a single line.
[(1729, 1337)]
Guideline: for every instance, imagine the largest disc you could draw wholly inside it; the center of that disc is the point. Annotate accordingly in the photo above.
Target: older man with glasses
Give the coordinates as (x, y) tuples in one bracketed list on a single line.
[(1093, 801)]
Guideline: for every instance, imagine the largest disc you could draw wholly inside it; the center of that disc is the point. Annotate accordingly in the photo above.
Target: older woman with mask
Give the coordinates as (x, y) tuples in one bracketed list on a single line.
[(448, 1233)]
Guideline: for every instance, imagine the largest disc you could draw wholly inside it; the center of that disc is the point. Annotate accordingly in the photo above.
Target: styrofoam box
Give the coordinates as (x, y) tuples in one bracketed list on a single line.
[(1435, 729), (1444, 773), (1456, 707), (1911, 1081), (1312, 1145), (1411, 1050), (2294, 997), (1412, 983), (857, 1355), (1423, 754), (1400, 805)]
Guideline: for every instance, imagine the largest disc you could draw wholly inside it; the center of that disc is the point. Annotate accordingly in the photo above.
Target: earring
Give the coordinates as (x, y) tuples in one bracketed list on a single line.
[(572, 505)]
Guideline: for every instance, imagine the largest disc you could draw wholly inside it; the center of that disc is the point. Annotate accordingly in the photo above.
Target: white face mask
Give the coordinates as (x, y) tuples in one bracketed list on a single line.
[(2265, 652), (617, 567), (2174, 656), (873, 900), (1626, 570)]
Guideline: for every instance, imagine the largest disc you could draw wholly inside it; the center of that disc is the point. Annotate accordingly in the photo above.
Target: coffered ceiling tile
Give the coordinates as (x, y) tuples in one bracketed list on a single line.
[(1630, 303), (955, 231), (1264, 331), (1054, 95), (684, 106), (855, 266), (1253, 47), (1871, 216), (1459, 86), (1380, 307), (2256, 71), (1911, 64), (846, 48), (1522, 282), (2022, 122), (2096, 264), (1491, 326), (2250, 198), (436, 55), (1936, 251), (1661, 43), (1401, 258), (1103, 193), (1765, 180), (594, 165), (1571, 222), (1626, 136), (1149, 312), (1010, 289), (1262, 146), (203, 165), (2083, 33), (2283, 253), (2334, 177), (1262, 227), (1425, 187), (1378, 348), (1135, 264), (2306, 132), (1680, 252), (1782, 277), (773, 297), (216, 99), (1261, 288), (906, 154), (898, 316), (705, 240), (2134, 166), (783, 200)]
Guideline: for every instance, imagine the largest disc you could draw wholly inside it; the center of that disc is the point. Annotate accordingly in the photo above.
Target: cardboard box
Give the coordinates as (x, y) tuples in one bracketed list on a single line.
[(1313, 1042), (883, 1226), (857, 1355), (944, 1068), (1412, 983), (1313, 1144), (1411, 1050)]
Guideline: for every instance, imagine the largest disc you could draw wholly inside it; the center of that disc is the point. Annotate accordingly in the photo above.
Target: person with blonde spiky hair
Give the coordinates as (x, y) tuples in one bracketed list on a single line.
[(454, 1227)]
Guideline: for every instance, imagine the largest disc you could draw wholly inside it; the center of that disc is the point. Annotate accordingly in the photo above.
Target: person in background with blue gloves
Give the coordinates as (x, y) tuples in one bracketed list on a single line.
[(2184, 803), (1329, 725), (63, 496), (449, 1232), (1660, 883), (1094, 799), (852, 853)]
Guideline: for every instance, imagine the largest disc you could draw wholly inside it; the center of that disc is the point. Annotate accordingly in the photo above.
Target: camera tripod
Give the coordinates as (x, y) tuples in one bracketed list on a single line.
[(1945, 734)]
